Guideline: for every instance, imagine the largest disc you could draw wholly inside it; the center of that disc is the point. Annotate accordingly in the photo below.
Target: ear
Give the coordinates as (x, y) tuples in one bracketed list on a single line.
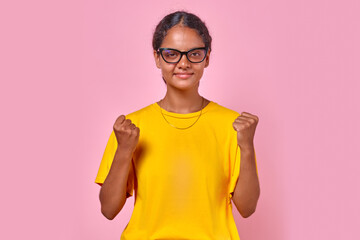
[(207, 59), (157, 59)]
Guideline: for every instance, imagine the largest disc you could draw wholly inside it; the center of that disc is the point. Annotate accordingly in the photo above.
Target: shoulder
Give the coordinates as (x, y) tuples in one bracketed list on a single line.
[(223, 118), (226, 112), (136, 115)]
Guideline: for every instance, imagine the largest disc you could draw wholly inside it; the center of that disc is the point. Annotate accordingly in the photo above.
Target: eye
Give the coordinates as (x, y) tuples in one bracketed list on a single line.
[(195, 54), (170, 54)]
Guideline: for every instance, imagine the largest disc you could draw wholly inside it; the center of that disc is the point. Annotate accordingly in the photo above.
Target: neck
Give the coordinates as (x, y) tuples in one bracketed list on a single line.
[(183, 102)]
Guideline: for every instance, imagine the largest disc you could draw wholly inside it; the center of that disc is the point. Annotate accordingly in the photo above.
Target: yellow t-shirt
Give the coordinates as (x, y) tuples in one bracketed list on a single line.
[(183, 179)]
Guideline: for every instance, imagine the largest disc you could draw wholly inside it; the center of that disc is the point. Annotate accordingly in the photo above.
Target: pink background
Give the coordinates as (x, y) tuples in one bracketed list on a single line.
[(69, 68)]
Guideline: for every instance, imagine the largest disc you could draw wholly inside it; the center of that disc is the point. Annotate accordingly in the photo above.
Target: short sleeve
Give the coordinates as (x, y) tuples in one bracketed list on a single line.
[(235, 159), (106, 162)]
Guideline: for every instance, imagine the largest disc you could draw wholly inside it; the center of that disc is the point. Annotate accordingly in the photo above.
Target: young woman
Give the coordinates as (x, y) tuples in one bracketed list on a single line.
[(181, 154)]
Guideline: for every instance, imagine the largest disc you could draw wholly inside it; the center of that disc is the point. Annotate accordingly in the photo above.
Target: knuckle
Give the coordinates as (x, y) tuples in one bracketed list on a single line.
[(123, 128), (127, 131), (120, 118)]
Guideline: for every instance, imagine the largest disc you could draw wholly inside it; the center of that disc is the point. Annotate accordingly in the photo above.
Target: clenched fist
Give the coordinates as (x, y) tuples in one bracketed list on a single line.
[(245, 125), (127, 135)]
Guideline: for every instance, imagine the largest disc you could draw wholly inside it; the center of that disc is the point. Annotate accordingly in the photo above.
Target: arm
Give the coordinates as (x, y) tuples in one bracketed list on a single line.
[(113, 190), (247, 189)]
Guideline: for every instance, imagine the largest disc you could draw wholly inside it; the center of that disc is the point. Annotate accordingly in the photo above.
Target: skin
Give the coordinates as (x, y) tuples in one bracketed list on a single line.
[(182, 96), (247, 189), (113, 191)]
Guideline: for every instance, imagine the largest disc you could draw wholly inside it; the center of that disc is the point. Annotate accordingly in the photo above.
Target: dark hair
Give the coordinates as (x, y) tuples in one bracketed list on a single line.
[(182, 18)]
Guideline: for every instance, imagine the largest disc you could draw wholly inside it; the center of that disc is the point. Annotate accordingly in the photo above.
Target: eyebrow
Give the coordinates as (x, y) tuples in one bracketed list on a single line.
[(183, 50)]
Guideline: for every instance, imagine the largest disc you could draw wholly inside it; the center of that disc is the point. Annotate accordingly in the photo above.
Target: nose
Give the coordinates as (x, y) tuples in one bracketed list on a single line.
[(184, 62)]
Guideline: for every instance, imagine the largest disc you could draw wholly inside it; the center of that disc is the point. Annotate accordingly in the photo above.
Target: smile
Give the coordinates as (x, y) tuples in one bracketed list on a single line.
[(183, 75)]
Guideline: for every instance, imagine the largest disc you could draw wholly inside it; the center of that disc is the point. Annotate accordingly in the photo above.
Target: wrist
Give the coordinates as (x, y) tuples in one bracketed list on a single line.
[(247, 148), (123, 156), (124, 152)]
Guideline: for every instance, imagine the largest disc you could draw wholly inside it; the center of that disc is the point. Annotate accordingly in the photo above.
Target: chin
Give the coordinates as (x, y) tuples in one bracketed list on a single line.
[(182, 85)]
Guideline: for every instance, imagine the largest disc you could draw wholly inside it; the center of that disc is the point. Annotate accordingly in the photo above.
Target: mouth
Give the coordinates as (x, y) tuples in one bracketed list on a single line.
[(183, 75)]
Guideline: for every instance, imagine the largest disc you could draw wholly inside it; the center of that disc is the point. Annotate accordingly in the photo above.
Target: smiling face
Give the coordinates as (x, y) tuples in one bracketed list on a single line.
[(184, 74)]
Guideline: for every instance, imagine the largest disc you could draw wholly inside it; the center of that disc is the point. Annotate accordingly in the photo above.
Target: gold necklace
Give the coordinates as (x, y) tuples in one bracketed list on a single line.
[(185, 127)]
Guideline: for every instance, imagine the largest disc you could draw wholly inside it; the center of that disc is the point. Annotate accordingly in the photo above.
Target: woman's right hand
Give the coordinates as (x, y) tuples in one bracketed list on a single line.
[(127, 135)]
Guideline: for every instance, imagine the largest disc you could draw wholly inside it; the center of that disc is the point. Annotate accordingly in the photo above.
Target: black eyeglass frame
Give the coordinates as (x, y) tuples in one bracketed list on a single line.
[(160, 50)]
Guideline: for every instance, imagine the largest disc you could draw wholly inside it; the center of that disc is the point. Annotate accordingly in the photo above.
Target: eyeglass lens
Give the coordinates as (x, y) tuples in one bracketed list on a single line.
[(196, 55)]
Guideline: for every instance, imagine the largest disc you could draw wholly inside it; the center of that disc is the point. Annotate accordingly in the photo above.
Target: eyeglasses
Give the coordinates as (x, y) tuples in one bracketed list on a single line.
[(195, 55)]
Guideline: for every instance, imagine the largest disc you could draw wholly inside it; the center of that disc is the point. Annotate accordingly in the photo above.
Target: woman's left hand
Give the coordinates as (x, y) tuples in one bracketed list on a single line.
[(245, 125)]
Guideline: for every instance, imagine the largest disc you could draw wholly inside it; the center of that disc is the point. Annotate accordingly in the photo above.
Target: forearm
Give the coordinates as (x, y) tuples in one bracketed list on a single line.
[(113, 191), (247, 189)]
